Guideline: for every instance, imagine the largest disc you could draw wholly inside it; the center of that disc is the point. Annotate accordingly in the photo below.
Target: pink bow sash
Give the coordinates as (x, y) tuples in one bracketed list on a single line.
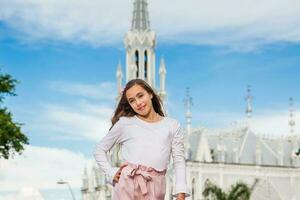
[(141, 174), (142, 177)]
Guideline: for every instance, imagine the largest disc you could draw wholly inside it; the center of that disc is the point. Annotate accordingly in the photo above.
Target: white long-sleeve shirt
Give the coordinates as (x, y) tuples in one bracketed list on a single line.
[(145, 143)]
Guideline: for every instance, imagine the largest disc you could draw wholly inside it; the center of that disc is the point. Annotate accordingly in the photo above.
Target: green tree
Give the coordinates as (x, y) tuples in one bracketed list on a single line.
[(12, 140), (239, 191)]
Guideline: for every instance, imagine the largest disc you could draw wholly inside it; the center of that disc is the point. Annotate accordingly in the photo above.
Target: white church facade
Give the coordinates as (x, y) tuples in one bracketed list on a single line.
[(269, 165)]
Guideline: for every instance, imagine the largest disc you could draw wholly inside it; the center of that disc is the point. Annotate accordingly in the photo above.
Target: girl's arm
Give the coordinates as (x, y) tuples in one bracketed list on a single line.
[(100, 152), (179, 162)]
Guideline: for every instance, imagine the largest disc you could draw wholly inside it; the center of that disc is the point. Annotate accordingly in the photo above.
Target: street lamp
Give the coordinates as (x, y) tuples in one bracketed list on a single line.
[(66, 182)]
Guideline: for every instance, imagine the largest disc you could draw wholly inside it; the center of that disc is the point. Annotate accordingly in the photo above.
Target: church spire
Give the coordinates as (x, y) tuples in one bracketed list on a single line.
[(140, 20), (188, 114), (140, 44), (291, 117), (249, 102)]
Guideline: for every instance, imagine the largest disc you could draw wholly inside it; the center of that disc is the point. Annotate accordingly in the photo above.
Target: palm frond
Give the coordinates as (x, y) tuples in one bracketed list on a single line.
[(239, 191), (213, 191)]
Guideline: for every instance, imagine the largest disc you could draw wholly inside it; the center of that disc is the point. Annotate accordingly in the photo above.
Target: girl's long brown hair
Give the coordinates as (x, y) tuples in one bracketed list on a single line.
[(124, 109)]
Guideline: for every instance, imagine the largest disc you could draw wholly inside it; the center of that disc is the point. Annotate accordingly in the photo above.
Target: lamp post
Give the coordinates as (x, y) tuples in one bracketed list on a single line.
[(66, 182)]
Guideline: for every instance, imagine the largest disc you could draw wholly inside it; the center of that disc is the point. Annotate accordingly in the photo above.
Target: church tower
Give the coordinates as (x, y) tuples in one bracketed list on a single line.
[(140, 42), (140, 46)]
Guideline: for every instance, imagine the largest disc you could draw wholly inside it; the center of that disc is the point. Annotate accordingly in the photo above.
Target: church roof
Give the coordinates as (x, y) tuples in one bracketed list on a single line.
[(140, 19), (244, 143)]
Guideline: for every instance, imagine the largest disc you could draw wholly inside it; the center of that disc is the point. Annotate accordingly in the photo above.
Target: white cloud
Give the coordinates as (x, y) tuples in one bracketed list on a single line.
[(79, 20), (274, 122), (95, 91), (216, 119), (73, 122), (41, 168), (25, 193), (244, 24), (86, 117), (83, 113), (270, 122)]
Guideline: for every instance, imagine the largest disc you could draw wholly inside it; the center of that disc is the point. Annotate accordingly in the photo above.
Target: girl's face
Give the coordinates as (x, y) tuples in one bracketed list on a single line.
[(139, 100)]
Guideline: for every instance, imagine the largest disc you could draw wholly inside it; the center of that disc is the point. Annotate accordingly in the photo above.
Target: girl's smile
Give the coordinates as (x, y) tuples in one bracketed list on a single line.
[(140, 100)]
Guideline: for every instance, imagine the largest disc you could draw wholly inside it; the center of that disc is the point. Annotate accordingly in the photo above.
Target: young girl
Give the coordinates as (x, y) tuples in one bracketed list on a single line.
[(147, 139)]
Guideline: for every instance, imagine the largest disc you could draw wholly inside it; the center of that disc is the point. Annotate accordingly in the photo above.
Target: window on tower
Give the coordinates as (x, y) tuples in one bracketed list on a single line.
[(145, 64), (137, 63)]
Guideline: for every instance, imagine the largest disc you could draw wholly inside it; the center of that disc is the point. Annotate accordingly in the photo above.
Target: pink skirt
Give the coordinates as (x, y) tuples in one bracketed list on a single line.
[(138, 182)]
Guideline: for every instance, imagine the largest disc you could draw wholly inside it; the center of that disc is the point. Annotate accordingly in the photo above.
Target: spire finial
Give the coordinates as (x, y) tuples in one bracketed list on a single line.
[(140, 20), (119, 69), (162, 76), (119, 76), (162, 68), (249, 99), (292, 122)]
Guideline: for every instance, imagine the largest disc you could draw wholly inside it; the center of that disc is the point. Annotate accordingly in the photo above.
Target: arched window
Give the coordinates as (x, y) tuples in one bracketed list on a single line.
[(145, 64), (137, 63)]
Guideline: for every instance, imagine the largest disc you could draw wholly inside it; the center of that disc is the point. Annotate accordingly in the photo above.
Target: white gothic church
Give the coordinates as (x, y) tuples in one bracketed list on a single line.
[(269, 165)]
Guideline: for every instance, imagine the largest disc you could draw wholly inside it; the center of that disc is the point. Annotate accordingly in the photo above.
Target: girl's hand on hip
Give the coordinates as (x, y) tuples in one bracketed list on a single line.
[(181, 196), (118, 174)]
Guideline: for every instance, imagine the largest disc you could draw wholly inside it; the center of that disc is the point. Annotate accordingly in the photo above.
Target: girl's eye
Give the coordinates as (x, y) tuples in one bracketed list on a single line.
[(131, 101)]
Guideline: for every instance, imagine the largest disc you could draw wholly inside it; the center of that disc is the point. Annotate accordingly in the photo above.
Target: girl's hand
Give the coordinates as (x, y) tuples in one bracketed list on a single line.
[(118, 174), (181, 196)]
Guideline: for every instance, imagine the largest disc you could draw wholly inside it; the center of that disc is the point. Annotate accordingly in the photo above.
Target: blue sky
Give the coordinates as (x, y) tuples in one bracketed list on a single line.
[(66, 70)]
